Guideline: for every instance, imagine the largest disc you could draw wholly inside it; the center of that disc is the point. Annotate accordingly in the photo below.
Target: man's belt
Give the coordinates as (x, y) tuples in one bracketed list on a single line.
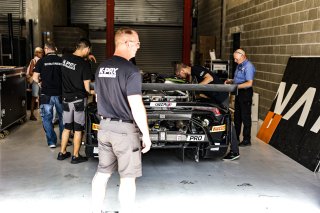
[(117, 119), (244, 89)]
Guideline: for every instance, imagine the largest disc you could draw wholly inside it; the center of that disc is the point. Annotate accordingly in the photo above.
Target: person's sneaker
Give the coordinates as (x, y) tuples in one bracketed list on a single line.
[(33, 118), (52, 146), (245, 143), (79, 159), (231, 156), (62, 156)]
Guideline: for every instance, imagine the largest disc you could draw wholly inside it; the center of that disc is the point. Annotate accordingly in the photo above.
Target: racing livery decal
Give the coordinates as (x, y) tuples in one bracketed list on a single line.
[(195, 137), (163, 104), (219, 128)]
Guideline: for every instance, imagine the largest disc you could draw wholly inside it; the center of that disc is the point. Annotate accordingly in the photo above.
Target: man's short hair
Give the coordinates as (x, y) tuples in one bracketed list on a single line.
[(178, 66), (51, 45), (240, 51), (83, 43), (123, 31)]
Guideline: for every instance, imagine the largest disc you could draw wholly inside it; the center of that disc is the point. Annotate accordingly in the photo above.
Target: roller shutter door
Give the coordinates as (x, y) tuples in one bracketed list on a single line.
[(159, 23)]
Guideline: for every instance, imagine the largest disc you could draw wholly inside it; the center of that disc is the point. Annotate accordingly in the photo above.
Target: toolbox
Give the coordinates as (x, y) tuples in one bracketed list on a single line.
[(13, 107)]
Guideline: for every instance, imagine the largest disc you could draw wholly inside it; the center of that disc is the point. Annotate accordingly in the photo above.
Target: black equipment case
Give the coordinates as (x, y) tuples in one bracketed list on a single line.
[(13, 97)]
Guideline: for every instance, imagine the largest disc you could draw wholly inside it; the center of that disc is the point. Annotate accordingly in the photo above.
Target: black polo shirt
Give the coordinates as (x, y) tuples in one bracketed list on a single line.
[(49, 68), (115, 79), (199, 72), (75, 70)]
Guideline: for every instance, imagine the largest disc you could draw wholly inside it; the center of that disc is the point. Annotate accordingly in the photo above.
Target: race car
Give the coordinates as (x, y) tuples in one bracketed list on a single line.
[(177, 119)]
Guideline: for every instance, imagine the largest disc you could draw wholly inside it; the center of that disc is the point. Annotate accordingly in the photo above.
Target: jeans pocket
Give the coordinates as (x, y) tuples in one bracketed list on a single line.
[(79, 106), (44, 99)]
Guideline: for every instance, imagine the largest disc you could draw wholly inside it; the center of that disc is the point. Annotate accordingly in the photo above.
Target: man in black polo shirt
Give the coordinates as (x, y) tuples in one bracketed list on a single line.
[(120, 105), (48, 69), (76, 75)]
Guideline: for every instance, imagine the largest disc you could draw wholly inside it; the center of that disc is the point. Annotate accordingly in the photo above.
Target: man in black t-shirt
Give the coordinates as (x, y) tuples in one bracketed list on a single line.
[(120, 106), (203, 76), (48, 69), (76, 75)]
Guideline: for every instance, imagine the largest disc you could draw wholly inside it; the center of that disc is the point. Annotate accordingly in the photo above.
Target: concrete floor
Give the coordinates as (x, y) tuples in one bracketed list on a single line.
[(262, 180)]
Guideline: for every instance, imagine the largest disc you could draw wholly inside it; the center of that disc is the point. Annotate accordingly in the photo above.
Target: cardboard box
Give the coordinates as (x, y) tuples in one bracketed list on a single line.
[(206, 43)]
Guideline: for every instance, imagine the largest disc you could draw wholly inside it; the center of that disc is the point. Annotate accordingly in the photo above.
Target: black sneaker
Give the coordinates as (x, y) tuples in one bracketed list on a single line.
[(231, 156), (245, 143), (62, 156), (33, 118), (79, 159)]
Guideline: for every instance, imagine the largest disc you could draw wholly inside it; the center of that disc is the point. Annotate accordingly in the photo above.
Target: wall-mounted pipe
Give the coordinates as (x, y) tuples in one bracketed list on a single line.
[(31, 43), (10, 29), (110, 28), (187, 24)]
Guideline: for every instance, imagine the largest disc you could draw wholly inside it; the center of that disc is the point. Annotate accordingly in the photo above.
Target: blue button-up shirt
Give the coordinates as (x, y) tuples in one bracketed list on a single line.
[(244, 72)]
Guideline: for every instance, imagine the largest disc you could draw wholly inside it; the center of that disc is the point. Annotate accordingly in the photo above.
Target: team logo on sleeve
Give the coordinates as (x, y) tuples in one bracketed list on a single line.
[(106, 72)]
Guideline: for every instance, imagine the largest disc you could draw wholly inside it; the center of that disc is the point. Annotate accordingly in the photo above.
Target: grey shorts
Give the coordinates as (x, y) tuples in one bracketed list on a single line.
[(74, 114), (119, 149), (35, 89)]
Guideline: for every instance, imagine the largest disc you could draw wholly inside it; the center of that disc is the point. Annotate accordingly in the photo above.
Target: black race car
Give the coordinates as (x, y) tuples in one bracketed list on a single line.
[(177, 119)]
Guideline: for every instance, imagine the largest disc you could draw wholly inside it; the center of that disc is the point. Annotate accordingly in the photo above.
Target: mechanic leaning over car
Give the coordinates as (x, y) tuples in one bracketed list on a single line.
[(120, 106), (243, 77), (204, 76)]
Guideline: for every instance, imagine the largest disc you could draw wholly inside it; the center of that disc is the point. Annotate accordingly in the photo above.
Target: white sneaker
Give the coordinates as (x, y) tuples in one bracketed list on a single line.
[(52, 146)]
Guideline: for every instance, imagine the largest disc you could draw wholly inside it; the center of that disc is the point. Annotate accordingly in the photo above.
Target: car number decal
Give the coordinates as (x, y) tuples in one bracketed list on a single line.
[(163, 104), (195, 137), (219, 128)]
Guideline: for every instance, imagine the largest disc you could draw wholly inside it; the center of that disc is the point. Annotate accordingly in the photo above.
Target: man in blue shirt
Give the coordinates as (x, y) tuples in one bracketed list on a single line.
[(243, 77)]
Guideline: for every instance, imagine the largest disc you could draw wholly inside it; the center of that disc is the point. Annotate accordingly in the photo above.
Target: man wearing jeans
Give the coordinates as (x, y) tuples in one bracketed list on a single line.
[(48, 69)]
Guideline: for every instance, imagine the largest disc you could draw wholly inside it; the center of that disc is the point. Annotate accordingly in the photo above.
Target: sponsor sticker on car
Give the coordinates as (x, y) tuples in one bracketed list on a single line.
[(95, 126), (219, 128), (195, 137), (163, 104)]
